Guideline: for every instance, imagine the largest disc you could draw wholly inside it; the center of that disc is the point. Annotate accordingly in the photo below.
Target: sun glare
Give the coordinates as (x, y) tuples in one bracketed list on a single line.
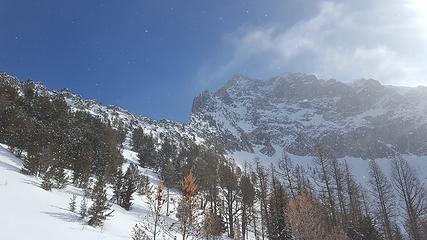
[(420, 7)]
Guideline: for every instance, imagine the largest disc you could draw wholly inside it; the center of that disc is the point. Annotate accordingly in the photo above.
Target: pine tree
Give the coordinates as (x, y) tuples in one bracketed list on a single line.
[(144, 146), (365, 230), (100, 209), (72, 204), (247, 191), (83, 208), (30, 164), (118, 187), (60, 178), (167, 156), (142, 184), (129, 186), (278, 227), (205, 165), (47, 180)]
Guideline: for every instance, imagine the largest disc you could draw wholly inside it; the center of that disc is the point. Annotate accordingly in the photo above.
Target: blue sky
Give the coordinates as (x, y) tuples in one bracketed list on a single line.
[(153, 57)]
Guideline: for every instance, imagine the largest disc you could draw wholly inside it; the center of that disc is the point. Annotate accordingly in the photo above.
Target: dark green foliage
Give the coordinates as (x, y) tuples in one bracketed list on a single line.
[(247, 191), (100, 209), (72, 204), (47, 181), (364, 230), (129, 186), (124, 186), (278, 227), (118, 186), (30, 165), (60, 178), (144, 146), (167, 155), (54, 137), (142, 184), (83, 208)]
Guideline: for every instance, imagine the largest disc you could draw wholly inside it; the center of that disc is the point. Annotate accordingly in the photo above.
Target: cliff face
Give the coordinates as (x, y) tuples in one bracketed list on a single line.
[(295, 112)]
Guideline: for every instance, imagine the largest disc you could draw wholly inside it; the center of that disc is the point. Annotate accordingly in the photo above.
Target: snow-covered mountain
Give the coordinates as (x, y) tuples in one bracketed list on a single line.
[(247, 118), (294, 112), (297, 111)]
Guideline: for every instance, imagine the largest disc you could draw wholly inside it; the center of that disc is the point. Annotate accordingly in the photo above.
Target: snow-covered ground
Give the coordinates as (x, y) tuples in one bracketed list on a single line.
[(29, 212)]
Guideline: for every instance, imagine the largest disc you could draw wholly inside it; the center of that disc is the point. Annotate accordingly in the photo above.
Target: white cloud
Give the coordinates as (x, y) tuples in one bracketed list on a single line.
[(379, 39)]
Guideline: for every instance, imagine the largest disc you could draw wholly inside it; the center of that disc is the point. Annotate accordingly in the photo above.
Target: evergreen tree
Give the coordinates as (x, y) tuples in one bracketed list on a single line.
[(365, 230), (142, 184), (166, 168), (278, 227), (47, 181), (118, 187), (205, 164), (100, 209), (247, 191), (144, 146), (72, 204), (83, 208), (137, 139), (129, 186), (60, 178), (166, 154)]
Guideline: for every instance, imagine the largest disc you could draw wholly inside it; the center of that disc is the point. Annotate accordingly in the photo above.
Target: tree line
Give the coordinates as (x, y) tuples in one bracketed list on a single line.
[(287, 201)]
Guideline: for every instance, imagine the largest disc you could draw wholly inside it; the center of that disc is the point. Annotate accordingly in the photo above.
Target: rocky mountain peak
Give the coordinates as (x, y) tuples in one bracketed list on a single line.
[(297, 111)]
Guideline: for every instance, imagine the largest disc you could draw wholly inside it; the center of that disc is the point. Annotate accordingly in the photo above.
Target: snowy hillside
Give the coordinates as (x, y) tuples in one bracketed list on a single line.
[(44, 215), (29, 212)]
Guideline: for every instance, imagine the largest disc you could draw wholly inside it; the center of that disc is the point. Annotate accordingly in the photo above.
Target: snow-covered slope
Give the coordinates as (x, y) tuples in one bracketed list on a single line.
[(29, 212), (298, 111)]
